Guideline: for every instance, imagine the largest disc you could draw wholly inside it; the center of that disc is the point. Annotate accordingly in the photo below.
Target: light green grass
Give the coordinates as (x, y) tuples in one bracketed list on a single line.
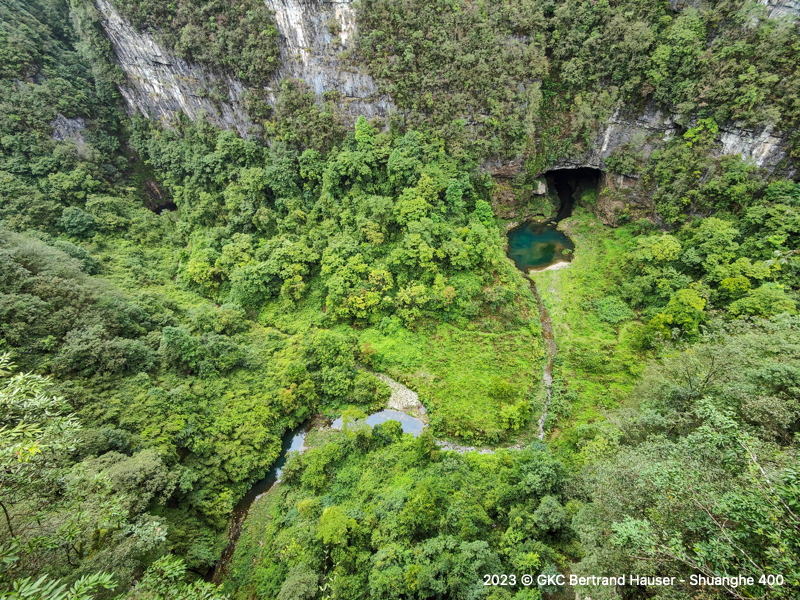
[(478, 387), (596, 366)]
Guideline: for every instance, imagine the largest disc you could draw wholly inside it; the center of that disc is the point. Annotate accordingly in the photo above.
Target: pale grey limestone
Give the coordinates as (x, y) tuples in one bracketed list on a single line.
[(650, 129), (313, 37), (160, 85)]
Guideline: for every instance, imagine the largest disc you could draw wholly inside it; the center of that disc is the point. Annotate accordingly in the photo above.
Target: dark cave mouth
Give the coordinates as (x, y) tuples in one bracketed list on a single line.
[(571, 185), (156, 199)]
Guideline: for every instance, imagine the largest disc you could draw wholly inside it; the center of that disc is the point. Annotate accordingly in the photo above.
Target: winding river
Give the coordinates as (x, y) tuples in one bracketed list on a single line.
[(409, 424), (401, 402), (292, 441), (532, 246)]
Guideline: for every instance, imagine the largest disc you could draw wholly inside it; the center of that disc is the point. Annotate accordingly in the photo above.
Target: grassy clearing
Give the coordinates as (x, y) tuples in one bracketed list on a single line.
[(596, 365), (478, 387)]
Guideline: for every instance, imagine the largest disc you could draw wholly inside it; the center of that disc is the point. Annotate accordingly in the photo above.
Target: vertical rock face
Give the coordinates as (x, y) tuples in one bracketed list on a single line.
[(65, 129), (160, 84), (644, 132), (647, 131), (760, 146), (313, 36), (777, 9)]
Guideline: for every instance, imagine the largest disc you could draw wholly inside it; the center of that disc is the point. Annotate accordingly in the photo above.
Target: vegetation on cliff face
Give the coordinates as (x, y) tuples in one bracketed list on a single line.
[(237, 37), (50, 88), (537, 76), (153, 359)]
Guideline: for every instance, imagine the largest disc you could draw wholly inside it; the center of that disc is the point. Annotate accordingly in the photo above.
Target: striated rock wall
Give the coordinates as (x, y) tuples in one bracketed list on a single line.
[(775, 9), (314, 35), (160, 85), (641, 133), (760, 146), (649, 130), (65, 129)]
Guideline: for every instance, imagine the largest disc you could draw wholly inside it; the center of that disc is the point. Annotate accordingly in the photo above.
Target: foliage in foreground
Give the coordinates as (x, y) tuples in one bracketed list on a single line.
[(372, 513), (699, 477), (702, 476)]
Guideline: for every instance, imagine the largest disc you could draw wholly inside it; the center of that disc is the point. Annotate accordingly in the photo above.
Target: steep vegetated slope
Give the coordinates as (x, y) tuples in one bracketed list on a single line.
[(177, 408), (60, 117), (174, 298), (539, 77), (237, 37), (184, 396)]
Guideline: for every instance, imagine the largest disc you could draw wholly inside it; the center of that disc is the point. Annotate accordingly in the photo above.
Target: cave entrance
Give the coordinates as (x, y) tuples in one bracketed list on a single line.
[(571, 185), (156, 199)]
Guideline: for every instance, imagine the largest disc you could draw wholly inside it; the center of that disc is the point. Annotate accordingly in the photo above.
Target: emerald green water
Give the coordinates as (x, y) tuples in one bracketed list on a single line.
[(535, 245)]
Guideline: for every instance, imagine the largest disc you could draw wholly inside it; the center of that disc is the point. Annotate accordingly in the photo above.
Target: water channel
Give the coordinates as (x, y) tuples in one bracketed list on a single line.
[(532, 246), (537, 245), (410, 424), (292, 441)]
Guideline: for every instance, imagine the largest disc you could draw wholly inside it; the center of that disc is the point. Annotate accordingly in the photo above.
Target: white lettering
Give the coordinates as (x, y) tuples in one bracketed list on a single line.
[(724, 581)]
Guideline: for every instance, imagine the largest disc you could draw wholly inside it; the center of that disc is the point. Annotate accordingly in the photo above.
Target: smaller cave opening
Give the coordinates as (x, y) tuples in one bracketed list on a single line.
[(570, 185), (157, 200)]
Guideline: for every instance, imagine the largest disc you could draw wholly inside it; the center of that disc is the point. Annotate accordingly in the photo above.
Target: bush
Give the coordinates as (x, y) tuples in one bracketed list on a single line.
[(77, 223), (612, 310), (766, 300)]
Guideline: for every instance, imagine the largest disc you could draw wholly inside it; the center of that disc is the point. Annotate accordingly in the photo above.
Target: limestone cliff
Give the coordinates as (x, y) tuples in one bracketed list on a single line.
[(782, 8), (646, 131), (775, 9), (160, 85), (313, 36)]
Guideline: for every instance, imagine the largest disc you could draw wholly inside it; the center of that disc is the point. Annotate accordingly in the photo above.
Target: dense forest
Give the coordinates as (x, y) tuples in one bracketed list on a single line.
[(176, 300)]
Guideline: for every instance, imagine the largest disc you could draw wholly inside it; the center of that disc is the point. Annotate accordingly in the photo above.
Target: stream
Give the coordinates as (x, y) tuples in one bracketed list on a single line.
[(537, 246), (532, 246), (409, 424), (550, 351), (292, 441), (401, 402)]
